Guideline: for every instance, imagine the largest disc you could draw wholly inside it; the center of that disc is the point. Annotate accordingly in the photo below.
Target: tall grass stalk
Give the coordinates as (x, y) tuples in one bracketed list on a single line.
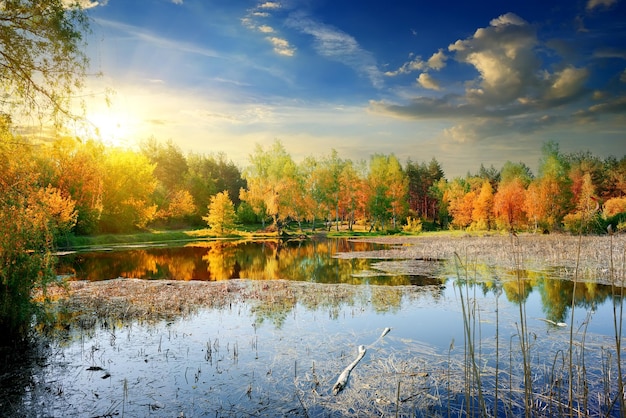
[(570, 391), (523, 331), (473, 374), (618, 318)]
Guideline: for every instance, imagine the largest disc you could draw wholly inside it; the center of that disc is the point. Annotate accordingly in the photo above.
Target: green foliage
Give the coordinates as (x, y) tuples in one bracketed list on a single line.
[(41, 59), (246, 215)]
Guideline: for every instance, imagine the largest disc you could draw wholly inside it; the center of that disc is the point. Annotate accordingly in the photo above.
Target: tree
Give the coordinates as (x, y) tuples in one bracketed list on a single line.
[(221, 217), (349, 183), (482, 212), (508, 203), (77, 170), (587, 207), (269, 177), (41, 65), (422, 178), (389, 188), (26, 236), (181, 205), (41, 58), (128, 184), (551, 191)]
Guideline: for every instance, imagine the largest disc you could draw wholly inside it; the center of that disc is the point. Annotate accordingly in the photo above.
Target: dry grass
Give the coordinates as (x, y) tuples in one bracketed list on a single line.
[(407, 377), (557, 251)]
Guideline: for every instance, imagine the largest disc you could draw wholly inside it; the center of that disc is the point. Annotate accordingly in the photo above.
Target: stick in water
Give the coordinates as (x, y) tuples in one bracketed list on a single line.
[(343, 377)]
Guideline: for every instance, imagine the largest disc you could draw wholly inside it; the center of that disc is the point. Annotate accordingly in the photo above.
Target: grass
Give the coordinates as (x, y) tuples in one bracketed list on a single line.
[(536, 376)]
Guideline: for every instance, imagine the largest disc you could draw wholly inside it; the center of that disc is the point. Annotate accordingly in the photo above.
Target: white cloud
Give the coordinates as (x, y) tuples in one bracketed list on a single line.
[(85, 4), (177, 1), (156, 40), (436, 62), (504, 56), (266, 29), (273, 5), (337, 45), (426, 81), (281, 46), (508, 19), (592, 4)]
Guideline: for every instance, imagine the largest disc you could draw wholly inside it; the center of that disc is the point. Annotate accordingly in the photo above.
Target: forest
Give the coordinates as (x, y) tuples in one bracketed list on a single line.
[(84, 187)]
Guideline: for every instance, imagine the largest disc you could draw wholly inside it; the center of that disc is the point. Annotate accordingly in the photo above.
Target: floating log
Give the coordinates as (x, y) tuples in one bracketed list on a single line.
[(343, 377)]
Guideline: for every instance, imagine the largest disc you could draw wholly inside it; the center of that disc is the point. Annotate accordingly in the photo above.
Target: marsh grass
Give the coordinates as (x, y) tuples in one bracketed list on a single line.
[(569, 373)]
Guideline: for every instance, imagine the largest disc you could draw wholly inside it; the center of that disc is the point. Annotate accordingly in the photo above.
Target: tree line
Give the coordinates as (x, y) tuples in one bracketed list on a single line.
[(85, 187)]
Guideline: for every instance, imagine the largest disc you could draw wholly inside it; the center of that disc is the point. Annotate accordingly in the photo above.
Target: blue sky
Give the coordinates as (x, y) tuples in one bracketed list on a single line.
[(464, 82)]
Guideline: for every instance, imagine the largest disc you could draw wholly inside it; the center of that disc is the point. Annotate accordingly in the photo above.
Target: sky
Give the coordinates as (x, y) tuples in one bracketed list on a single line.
[(467, 83)]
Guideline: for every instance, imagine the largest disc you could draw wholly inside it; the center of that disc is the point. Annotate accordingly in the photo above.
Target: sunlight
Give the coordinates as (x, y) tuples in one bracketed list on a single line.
[(112, 128)]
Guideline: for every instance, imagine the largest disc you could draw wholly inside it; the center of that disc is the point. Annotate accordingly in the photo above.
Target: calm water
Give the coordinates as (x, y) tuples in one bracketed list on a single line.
[(255, 359), (308, 260)]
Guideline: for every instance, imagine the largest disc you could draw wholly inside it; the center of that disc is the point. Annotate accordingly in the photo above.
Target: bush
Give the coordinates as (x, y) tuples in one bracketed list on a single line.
[(413, 225)]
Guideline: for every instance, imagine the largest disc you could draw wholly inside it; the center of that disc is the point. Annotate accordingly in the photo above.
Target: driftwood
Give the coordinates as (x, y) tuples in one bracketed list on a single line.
[(342, 380), (343, 377)]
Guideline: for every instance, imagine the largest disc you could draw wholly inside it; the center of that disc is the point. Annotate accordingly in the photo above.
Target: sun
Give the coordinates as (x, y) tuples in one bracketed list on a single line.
[(112, 128)]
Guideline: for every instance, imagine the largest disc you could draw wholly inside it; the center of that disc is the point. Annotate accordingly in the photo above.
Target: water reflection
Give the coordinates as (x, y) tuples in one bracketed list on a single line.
[(309, 260), (314, 261)]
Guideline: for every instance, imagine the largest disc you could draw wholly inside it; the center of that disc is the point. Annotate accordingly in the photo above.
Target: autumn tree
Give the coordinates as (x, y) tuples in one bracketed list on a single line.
[(269, 176), (128, 184), (76, 168), (587, 208), (221, 217), (42, 65), (181, 205), (59, 210), (614, 206), (482, 212), (508, 203), (349, 184), (460, 202), (509, 199), (548, 197), (26, 235)]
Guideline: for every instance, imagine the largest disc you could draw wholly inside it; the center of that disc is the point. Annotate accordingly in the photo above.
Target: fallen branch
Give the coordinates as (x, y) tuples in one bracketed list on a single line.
[(343, 377)]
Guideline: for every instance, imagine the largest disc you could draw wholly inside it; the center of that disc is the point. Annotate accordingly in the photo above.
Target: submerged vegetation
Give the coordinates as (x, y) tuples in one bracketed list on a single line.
[(504, 362)]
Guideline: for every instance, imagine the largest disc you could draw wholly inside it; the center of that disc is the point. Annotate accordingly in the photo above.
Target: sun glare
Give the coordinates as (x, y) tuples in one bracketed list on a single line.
[(112, 128)]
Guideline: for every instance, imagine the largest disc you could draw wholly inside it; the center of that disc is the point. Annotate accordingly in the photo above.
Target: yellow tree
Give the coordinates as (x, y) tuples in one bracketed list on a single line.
[(59, 209), (181, 204), (482, 212), (221, 217), (42, 65), (26, 235), (128, 184), (587, 207), (77, 170), (460, 202)]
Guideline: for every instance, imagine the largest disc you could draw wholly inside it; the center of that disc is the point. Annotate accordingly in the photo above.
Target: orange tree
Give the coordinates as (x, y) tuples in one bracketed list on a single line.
[(41, 67)]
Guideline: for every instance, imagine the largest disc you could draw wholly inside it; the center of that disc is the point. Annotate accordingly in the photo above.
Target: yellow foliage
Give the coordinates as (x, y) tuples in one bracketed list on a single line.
[(614, 206)]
